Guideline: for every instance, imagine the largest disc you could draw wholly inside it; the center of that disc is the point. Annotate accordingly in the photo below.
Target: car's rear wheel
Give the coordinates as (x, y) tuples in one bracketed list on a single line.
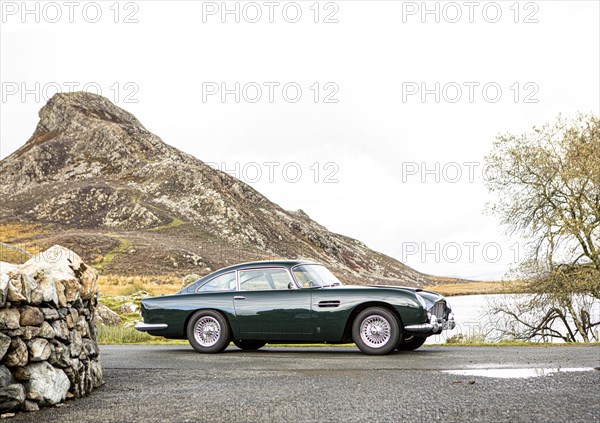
[(376, 331), (208, 331), (248, 345), (410, 343)]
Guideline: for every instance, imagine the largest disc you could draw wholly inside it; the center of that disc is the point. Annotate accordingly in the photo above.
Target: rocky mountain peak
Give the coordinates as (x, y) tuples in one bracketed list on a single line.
[(65, 112), (81, 135), (91, 167)]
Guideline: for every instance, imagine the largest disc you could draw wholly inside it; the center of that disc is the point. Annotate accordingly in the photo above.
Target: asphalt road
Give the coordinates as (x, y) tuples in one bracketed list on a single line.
[(173, 383)]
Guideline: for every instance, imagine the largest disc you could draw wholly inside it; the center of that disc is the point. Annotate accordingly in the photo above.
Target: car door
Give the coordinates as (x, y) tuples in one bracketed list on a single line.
[(331, 309), (268, 307)]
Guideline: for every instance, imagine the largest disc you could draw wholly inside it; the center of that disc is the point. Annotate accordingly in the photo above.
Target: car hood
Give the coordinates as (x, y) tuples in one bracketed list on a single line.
[(430, 297)]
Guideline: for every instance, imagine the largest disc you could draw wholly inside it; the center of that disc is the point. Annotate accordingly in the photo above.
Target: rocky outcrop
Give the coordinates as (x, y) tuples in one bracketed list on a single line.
[(128, 308), (48, 345), (106, 316)]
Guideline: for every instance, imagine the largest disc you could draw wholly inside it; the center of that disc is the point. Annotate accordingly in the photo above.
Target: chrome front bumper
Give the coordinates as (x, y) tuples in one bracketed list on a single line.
[(435, 325), (145, 327)]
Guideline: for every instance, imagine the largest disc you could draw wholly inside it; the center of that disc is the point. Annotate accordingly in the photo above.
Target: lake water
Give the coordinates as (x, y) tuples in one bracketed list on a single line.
[(472, 320)]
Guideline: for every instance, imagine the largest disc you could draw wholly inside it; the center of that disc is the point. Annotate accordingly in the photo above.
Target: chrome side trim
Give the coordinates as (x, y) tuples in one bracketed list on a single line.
[(144, 327), (330, 303)]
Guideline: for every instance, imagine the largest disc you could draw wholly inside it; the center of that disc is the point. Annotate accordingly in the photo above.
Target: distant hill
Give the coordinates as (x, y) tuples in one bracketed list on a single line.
[(93, 179)]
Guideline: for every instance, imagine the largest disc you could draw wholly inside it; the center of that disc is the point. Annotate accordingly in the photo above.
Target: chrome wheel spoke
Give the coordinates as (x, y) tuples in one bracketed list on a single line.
[(207, 331), (375, 331)]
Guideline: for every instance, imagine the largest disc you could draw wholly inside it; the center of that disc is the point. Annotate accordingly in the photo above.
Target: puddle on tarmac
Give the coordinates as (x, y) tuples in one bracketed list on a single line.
[(519, 373)]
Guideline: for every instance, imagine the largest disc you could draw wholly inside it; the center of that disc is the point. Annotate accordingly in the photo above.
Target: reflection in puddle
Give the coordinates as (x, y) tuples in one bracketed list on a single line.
[(517, 373)]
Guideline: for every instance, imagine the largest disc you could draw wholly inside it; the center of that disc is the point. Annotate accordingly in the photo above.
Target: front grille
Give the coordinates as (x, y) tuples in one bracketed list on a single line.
[(439, 309)]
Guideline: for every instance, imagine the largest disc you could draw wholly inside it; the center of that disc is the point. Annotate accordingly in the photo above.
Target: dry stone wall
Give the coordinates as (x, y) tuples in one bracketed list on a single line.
[(48, 343)]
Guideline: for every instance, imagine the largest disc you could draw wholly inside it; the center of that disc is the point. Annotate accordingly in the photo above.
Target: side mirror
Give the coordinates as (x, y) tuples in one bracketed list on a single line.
[(291, 285)]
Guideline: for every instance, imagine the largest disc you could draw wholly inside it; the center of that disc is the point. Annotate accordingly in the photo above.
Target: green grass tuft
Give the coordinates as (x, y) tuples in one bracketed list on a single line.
[(460, 339), (123, 247), (108, 335), (133, 289), (172, 224)]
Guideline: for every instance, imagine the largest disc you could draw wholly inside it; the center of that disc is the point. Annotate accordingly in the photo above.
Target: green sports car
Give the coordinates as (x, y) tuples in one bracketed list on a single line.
[(294, 301)]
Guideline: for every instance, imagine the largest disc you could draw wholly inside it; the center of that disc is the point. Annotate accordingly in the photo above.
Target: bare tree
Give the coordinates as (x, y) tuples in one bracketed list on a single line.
[(548, 188)]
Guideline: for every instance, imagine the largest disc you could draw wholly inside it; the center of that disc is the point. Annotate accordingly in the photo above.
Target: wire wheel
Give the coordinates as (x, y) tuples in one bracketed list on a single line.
[(207, 331), (375, 331)]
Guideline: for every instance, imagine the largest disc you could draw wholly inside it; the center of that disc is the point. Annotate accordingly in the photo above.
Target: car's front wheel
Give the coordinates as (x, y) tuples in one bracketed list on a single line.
[(410, 343), (249, 345), (376, 330), (208, 332)]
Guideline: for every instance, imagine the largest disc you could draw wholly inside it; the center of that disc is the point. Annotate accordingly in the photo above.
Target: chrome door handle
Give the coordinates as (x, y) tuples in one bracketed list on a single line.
[(239, 297)]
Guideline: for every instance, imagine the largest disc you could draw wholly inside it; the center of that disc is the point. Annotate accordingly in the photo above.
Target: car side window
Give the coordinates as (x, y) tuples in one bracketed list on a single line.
[(281, 278), (224, 282), (264, 279), (302, 277)]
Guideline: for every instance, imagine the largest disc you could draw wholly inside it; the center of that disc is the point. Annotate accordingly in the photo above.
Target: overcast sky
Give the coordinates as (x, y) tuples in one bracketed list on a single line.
[(385, 108)]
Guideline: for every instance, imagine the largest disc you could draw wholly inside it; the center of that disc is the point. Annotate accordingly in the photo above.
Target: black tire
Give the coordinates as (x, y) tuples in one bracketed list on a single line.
[(381, 331), (249, 345), (208, 332), (411, 343)]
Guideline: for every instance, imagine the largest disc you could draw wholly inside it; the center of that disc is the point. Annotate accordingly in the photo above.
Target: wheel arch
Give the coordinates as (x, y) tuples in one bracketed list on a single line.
[(216, 310), (363, 306)]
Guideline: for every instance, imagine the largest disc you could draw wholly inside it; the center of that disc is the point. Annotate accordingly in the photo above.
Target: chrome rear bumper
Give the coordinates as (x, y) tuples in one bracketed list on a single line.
[(433, 326), (145, 327)]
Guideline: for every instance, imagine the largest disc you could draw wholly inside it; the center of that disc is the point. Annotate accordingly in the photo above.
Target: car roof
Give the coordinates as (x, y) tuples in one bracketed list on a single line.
[(265, 263)]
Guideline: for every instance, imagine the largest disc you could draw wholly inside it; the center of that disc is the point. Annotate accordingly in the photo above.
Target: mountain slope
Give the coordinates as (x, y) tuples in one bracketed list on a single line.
[(93, 178)]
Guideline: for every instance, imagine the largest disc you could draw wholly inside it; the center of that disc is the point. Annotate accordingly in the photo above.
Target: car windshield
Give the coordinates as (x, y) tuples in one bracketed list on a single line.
[(314, 276)]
